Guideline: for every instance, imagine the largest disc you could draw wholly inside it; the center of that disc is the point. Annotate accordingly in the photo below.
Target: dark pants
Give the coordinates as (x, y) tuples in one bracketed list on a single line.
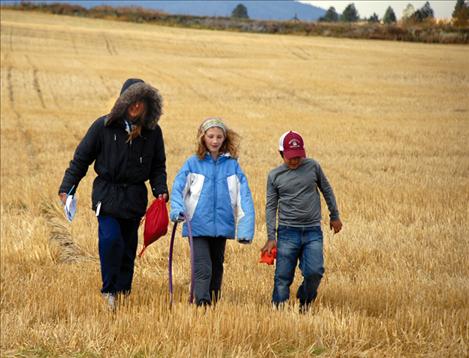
[(118, 239), (209, 254), (305, 245)]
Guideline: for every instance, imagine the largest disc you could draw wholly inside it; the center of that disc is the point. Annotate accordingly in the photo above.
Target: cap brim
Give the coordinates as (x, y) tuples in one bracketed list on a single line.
[(296, 153)]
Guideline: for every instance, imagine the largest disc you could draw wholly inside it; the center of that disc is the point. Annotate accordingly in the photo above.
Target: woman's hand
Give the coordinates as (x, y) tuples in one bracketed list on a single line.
[(63, 197)]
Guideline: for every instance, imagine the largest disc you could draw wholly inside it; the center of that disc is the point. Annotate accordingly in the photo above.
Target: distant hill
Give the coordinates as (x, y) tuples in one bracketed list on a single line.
[(259, 10)]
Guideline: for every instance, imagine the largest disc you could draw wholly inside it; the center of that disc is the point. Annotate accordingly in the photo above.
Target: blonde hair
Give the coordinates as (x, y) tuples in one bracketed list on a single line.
[(230, 144)]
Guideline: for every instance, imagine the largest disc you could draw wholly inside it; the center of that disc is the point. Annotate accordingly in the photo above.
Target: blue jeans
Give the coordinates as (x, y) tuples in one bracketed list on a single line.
[(303, 244), (118, 239)]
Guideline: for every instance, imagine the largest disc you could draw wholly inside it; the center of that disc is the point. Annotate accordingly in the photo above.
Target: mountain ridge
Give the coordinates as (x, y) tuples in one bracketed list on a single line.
[(258, 10)]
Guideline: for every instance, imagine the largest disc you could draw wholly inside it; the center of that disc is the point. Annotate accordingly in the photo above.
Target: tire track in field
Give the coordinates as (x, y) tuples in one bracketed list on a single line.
[(301, 53), (285, 90), (74, 43), (11, 40), (31, 151), (36, 85), (11, 94), (175, 79), (297, 51), (110, 47)]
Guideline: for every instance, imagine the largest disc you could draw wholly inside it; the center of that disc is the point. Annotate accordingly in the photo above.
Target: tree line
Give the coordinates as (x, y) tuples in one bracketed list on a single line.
[(350, 14), (425, 31), (460, 14)]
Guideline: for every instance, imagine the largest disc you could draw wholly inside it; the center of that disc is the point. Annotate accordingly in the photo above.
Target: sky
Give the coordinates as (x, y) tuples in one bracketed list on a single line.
[(442, 9)]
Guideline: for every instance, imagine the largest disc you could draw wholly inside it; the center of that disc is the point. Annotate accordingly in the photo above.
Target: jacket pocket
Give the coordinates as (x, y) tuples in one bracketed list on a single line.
[(102, 193)]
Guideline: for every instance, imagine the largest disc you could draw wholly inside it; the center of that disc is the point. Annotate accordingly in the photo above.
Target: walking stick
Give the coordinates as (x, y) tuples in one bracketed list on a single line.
[(191, 249), (170, 261), (170, 264)]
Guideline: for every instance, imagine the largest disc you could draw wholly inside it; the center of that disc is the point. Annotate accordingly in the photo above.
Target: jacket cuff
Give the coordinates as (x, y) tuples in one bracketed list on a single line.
[(157, 190)]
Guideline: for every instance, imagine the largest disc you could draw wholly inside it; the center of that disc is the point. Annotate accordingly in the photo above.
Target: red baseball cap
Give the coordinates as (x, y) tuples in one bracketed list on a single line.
[(292, 145)]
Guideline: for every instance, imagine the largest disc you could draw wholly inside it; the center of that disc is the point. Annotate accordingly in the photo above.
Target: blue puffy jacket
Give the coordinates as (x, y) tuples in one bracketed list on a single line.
[(215, 196)]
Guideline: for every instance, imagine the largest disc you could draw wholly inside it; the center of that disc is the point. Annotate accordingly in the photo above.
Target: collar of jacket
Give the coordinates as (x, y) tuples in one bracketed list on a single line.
[(223, 156)]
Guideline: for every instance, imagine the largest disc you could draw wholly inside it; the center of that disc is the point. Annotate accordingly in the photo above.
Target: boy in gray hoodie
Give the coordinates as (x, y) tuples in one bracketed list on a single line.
[(292, 194)]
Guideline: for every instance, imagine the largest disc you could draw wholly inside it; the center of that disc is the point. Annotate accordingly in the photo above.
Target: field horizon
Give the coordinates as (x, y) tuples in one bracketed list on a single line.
[(387, 121)]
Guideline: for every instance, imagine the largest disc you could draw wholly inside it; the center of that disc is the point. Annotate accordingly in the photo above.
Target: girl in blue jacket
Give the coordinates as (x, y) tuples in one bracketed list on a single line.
[(212, 192)]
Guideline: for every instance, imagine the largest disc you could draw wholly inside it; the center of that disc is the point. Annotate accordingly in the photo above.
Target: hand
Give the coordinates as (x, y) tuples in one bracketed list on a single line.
[(269, 245), (244, 241), (63, 198), (163, 196), (336, 225), (177, 218)]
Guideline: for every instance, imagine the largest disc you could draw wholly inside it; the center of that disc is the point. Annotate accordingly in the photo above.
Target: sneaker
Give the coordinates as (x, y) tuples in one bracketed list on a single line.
[(111, 301)]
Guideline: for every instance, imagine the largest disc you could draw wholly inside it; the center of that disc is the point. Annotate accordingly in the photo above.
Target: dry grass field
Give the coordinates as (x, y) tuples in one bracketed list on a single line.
[(388, 121)]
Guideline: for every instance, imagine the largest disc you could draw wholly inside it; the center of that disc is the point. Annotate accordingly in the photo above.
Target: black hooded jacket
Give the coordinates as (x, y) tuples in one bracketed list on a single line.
[(122, 166)]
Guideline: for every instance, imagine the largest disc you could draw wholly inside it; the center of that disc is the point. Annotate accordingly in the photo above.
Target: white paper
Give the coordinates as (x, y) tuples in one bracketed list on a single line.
[(70, 207), (98, 208)]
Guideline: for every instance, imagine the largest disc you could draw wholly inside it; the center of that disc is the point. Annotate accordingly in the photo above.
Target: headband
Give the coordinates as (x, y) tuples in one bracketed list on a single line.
[(213, 122)]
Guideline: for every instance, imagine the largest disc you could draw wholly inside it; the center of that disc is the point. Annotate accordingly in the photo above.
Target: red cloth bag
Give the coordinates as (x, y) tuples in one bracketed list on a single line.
[(267, 258), (156, 223)]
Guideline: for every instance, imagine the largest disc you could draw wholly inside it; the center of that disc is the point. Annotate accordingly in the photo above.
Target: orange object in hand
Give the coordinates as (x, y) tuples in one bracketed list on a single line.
[(267, 258)]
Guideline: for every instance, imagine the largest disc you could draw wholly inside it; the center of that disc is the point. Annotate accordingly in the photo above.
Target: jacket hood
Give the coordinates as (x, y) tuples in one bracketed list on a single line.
[(134, 90)]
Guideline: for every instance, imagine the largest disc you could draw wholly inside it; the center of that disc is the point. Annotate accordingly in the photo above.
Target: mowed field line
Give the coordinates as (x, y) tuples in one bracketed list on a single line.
[(388, 121)]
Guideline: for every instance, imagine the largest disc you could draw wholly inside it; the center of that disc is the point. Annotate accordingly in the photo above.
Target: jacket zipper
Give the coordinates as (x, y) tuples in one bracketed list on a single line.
[(142, 149), (215, 197)]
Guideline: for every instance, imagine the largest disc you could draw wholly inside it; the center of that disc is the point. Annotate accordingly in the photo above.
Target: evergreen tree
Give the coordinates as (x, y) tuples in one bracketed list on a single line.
[(331, 15), (427, 11), (374, 18), (389, 16), (408, 12), (240, 12), (424, 13), (461, 13), (460, 4), (350, 14)]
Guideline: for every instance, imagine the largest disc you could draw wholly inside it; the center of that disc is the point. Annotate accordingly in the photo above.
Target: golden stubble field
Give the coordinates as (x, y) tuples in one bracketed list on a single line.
[(388, 121)]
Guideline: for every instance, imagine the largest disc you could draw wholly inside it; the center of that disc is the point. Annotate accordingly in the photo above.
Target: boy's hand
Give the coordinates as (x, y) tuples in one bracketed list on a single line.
[(269, 245), (336, 225)]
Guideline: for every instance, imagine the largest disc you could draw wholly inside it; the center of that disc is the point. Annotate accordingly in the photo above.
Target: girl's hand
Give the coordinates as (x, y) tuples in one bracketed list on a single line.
[(244, 241), (164, 196), (177, 218), (269, 245)]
